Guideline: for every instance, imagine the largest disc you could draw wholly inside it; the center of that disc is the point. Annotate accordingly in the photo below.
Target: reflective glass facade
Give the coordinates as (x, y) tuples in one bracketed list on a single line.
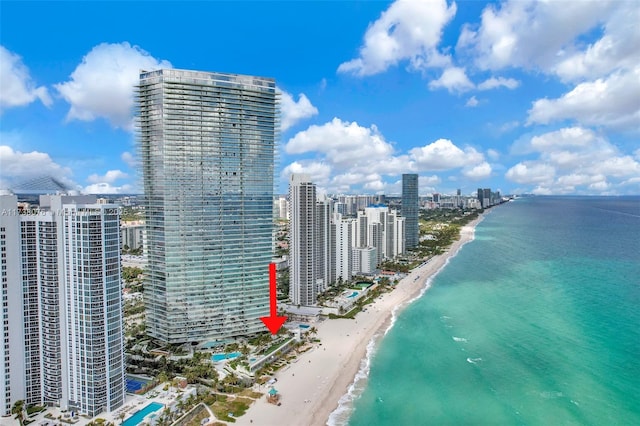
[(207, 144), (410, 207)]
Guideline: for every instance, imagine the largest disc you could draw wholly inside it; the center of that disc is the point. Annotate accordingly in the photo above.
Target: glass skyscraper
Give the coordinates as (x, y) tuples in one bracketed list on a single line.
[(410, 208), (207, 144)]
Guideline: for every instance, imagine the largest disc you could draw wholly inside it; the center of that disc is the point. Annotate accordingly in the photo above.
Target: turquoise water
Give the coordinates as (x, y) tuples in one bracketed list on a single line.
[(354, 294), (222, 357), (140, 415), (535, 322)]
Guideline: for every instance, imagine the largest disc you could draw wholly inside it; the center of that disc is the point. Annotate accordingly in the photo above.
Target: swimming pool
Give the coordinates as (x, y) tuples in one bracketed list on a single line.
[(305, 326), (137, 418), (222, 357), (354, 294)]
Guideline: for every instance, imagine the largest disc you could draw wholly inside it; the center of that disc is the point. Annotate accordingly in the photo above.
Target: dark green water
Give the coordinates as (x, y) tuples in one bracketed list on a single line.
[(535, 322)]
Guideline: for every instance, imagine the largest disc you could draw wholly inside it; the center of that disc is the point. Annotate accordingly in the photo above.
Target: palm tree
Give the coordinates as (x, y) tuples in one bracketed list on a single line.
[(18, 410)]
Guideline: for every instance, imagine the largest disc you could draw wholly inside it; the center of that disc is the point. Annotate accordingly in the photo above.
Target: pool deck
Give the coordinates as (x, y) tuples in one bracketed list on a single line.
[(133, 403)]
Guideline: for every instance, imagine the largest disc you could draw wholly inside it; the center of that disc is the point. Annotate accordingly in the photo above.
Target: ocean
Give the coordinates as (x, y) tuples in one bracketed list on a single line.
[(535, 322)]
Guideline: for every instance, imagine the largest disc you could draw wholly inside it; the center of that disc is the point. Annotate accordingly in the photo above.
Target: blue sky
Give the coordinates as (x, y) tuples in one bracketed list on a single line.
[(519, 96)]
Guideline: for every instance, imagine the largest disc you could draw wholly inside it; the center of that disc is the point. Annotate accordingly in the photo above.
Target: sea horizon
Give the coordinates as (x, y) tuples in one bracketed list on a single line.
[(514, 359)]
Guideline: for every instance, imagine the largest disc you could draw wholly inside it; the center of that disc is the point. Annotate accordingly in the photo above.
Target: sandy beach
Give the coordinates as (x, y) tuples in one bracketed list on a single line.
[(312, 386)]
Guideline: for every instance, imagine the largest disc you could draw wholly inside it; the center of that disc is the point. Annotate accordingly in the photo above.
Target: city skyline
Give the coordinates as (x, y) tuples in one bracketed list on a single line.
[(464, 94)]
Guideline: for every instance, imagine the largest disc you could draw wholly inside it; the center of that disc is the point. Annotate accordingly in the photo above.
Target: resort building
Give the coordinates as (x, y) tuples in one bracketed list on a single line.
[(325, 246), (344, 237), (364, 260), (410, 209), (66, 274), (303, 244), (381, 229), (207, 144)]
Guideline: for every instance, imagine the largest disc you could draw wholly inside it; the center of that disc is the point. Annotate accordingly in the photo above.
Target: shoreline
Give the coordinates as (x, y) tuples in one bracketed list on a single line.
[(318, 387)]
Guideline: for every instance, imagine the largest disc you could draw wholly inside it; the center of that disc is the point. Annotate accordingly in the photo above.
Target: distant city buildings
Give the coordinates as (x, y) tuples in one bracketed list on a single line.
[(326, 247), (410, 210), (207, 144), (488, 198), (132, 236), (63, 331)]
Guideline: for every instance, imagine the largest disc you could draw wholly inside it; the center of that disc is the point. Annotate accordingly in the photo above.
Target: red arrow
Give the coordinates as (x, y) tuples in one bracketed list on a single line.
[(273, 321)]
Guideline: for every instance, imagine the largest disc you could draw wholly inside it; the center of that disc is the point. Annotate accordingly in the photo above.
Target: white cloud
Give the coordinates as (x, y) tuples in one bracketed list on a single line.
[(345, 144), (16, 86), (407, 30), (292, 111), (574, 160), (349, 156), (493, 154), (318, 171), (616, 49), (21, 167), (493, 83), (109, 177), (477, 172), (107, 188), (612, 102), (531, 172), (129, 159), (444, 155), (102, 85), (472, 102), (454, 79), (532, 34)]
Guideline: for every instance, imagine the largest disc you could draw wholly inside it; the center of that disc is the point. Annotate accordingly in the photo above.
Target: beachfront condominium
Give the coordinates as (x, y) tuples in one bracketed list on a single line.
[(325, 243), (66, 271), (12, 379), (344, 231), (303, 246), (207, 144), (410, 209), (382, 229)]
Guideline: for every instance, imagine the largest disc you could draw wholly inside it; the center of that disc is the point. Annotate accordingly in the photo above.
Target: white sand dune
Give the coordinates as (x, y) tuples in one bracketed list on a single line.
[(311, 387)]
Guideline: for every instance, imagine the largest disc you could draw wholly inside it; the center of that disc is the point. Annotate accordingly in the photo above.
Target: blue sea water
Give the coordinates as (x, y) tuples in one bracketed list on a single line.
[(535, 322)]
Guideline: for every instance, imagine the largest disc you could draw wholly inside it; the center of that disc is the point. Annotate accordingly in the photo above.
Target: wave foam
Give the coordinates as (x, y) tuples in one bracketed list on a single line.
[(459, 339), (474, 360), (340, 416)]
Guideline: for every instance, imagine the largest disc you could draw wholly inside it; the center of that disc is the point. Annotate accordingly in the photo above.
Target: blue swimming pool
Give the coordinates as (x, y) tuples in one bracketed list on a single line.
[(222, 357), (305, 326), (354, 294), (137, 418)]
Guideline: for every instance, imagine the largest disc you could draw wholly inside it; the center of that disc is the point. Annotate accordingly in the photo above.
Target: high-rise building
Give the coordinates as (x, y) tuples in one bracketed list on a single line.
[(325, 272), (66, 262), (207, 144), (303, 245), (12, 347), (344, 232), (486, 200), (382, 229), (410, 209)]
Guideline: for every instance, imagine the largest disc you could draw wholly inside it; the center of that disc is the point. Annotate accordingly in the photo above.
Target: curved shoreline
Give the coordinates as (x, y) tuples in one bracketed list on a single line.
[(320, 382)]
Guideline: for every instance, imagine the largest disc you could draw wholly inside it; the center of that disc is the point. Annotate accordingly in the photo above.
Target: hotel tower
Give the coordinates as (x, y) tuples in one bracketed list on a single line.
[(207, 144)]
